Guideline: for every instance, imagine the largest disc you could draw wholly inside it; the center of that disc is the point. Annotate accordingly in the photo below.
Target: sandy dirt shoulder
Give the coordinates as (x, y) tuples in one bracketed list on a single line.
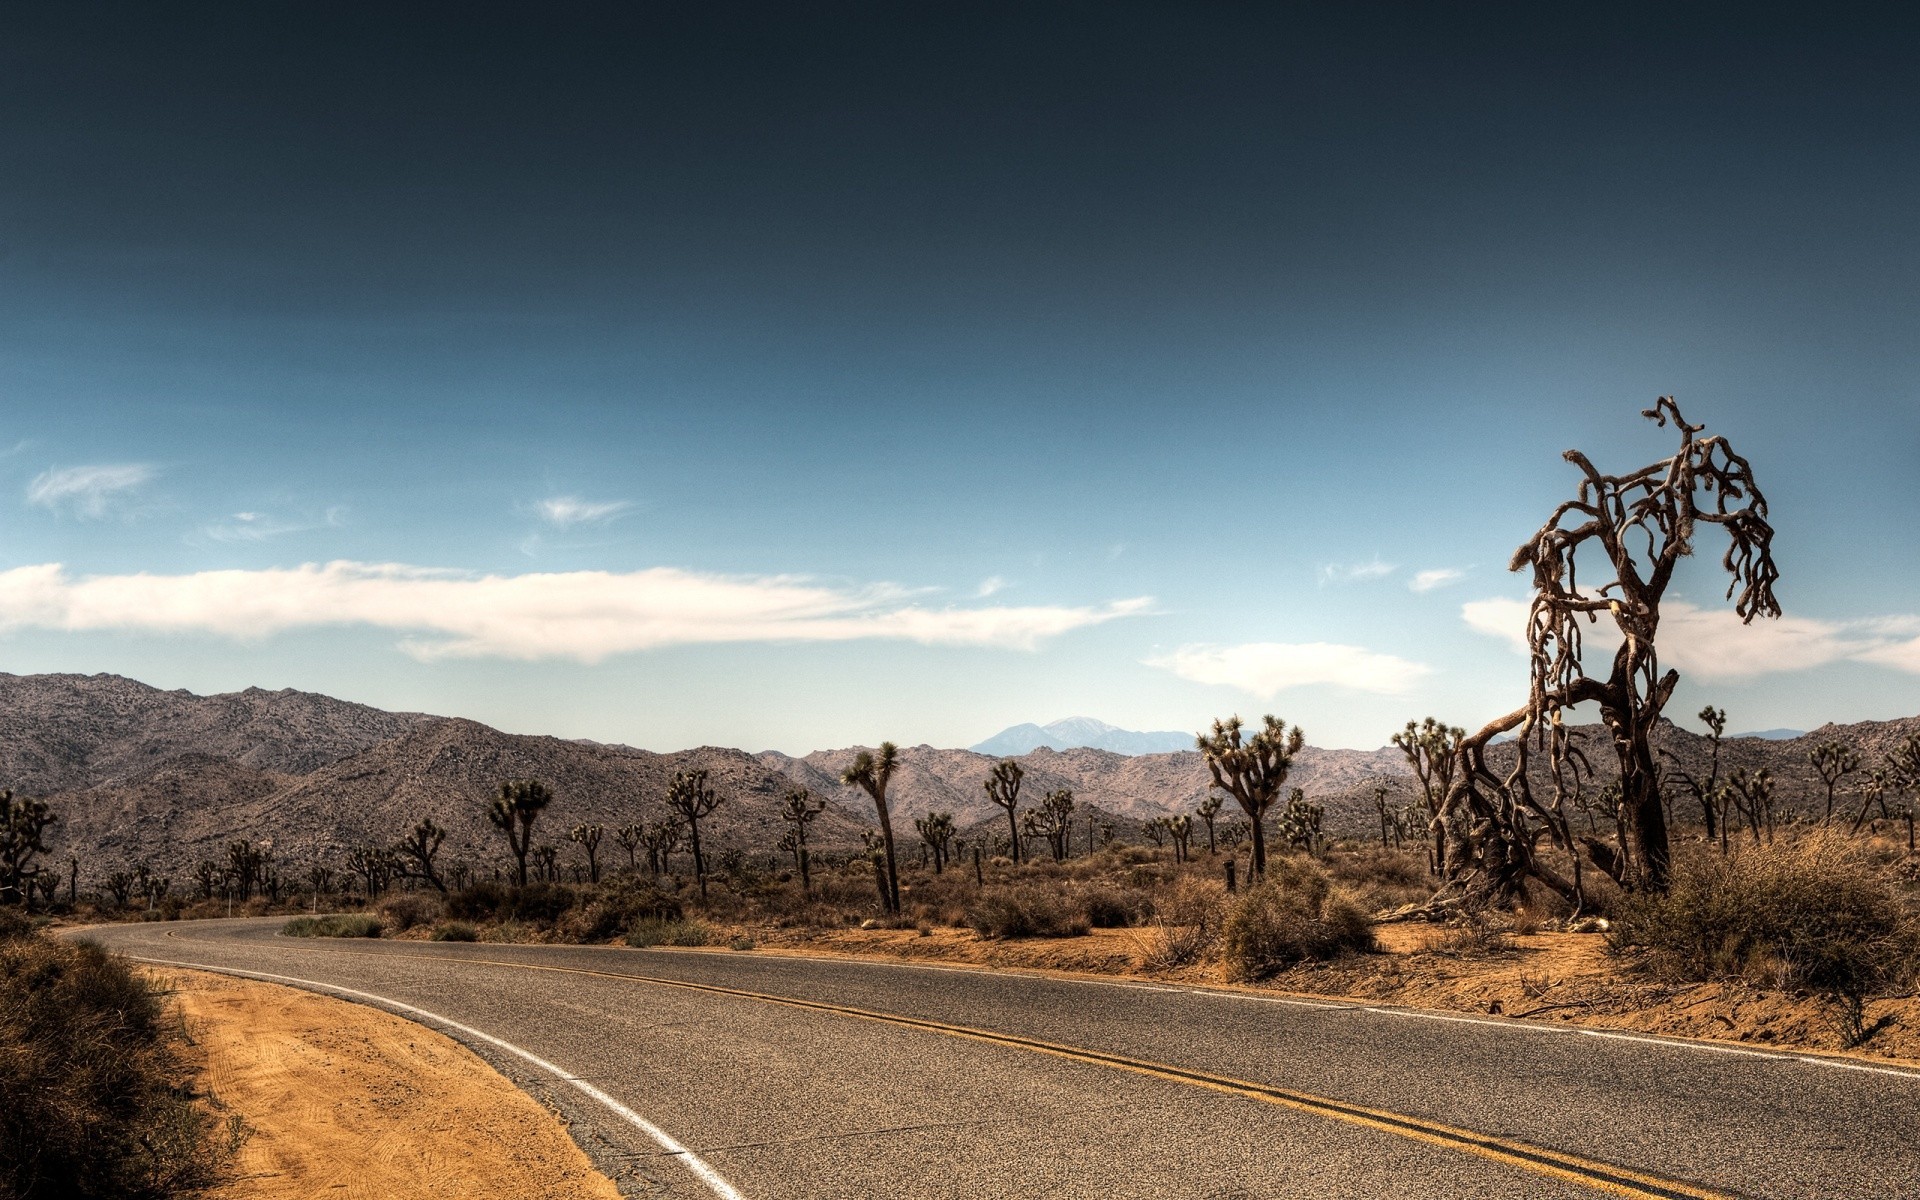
[(339, 1099)]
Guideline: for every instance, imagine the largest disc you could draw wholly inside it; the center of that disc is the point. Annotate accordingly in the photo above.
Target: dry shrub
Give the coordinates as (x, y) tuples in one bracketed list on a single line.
[(1025, 910), (98, 1103), (617, 907), (1186, 924), (669, 933), (1108, 907), (536, 903), (1471, 935), (1806, 914), (404, 910), (455, 931), (1293, 916), (347, 925)]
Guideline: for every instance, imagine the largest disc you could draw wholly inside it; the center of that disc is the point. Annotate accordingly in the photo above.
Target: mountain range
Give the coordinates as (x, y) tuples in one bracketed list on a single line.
[(137, 774), (1070, 733)]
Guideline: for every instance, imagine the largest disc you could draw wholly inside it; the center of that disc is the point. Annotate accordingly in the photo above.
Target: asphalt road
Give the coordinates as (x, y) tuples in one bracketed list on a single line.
[(695, 1073)]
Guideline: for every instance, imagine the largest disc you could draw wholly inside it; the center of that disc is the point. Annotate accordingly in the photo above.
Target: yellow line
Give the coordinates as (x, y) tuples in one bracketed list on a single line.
[(1604, 1177)]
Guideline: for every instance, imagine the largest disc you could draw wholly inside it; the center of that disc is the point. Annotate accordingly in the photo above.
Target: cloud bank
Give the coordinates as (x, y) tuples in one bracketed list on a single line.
[(1712, 643), (1267, 668), (585, 616)]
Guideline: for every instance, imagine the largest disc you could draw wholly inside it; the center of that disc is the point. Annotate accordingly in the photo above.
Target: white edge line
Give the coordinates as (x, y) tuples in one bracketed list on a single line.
[(1848, 1066), (693, 1162), (1513, 1025)]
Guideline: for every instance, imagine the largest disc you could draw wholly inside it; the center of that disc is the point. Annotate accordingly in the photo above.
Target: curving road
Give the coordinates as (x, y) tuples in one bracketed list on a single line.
[(695, 1074)]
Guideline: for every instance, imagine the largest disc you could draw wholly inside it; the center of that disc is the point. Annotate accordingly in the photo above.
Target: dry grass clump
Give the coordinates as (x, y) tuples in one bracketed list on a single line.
[(1811, 913), (1470, 936), (347, 925), (675, 932), (1026, 910), (98, 1104), (1294, 915), (1186, 925), (404, 910)]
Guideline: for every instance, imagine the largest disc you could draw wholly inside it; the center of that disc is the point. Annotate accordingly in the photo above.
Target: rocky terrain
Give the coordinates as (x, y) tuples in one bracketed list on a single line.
[(168, 777)]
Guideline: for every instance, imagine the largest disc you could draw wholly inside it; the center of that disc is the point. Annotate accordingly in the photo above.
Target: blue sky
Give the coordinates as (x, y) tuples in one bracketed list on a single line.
[(790, 380)]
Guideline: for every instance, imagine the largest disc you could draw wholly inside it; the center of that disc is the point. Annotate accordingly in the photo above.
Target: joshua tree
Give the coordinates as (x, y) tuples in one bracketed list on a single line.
[(546, 860), (799, 812), (319, 879), (1180, 829), (1753, 795), (1003, 788), (374, 865), (1387, 821), (1299, 825), (120, 886), (513, 812), (1644, 523), (661, 839), (1056, 821), (208, 876), (246, 863), (1252, 770), (587, 837), (1833, 762), (936, 831), (23, 826), (871, 772), (630, 838), (1430, 747), (1706, 792), (1156, 829), (1903, 770), (419, 847), (690, 796)]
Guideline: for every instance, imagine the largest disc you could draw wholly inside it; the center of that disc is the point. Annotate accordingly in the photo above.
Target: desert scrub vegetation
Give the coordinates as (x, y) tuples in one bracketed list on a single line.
[(676, 932), (1294, 915), (1027, 910), (1812, 914), (346, 925), (98, 1101)]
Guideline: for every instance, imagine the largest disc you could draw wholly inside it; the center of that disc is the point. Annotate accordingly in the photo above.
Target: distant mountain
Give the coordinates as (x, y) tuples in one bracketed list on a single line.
[(1772, 735), (1069, 733)]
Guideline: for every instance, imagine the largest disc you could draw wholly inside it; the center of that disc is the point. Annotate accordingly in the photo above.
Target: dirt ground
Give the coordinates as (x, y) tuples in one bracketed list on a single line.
[(339, 1099), (1561, 977)]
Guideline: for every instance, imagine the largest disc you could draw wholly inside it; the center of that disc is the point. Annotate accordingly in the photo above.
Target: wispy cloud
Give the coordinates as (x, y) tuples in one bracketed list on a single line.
[(1438, 577), (90, 491), (1268, 668), (1712, 643), (581, 615), (990, 585), (564, 512), (263, 527), (1361, 572)]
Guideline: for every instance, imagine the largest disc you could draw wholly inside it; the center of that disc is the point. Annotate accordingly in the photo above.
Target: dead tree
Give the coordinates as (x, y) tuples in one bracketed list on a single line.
[(691, 797), (513, 812), (871, 772), (1644, 523), (1430, 748), (1003, 788), (419, 848), (800, 810), (1252, 770), (587, 837), (1833, 762)]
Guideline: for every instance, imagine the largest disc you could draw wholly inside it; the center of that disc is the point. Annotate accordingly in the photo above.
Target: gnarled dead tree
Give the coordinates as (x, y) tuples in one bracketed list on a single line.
[(1642, 523)]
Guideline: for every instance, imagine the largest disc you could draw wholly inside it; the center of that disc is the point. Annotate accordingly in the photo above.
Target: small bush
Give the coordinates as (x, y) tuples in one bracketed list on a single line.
[(669, 933), (404, 910), (1808, 915), (1293, 916), (620, 907), (98, 1104), (1025, 910), (1186, 925), (455, 931), (537, 903), (1111, 908), (740, 943), (347, 925)]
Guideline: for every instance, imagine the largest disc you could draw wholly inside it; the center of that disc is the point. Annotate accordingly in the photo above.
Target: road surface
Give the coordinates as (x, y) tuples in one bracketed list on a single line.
[(697, 1073)]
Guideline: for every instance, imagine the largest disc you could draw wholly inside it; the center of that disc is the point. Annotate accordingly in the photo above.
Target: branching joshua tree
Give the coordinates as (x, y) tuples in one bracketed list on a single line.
[(1003, 788), (23, 827), (1180, 830), (1207, 810), (661, 839), (1299, 824), (1707, 792), (1833, 762), (418, 848), (375, 867), (1055, 819), (629, 838), (1155, 828), (1430, 748), (799, 812), (587, 837), (871, 772), (120, 886), (246, 863), (936, 832), (1643, 523), (546, 862), (513, 812), (690, 796), (1252, 770)]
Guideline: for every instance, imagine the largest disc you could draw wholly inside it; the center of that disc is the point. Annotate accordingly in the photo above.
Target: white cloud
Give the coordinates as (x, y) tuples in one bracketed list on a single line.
[(1439, 577), (990, 585), (1267, 668), (1355, 572), (261, 527), (86, 491), (1712, 643), (564, 512), (581, 615)]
